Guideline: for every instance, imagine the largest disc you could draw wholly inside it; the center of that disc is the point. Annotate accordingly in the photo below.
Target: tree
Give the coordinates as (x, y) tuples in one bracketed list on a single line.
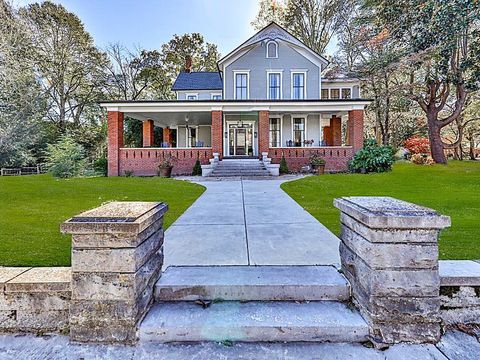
[(65, 60), (442, 60), (21, 102), (270, 10)]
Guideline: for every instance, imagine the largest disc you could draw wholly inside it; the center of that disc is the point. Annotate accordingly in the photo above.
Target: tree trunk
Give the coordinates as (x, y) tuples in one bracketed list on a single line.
[(471, 151), (436, 145)]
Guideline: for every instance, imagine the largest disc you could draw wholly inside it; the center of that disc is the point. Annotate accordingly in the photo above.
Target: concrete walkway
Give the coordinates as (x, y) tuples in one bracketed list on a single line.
[(248, 222)]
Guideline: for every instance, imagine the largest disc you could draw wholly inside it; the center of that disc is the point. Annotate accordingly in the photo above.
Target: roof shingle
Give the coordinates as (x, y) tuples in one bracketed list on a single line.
[(202, 80)]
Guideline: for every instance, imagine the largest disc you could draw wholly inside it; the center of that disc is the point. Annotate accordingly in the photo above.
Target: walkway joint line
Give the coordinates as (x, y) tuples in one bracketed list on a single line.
[(245, 222)]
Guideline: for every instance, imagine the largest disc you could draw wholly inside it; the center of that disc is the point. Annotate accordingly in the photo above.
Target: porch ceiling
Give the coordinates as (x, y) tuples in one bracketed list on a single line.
[(173, 118)]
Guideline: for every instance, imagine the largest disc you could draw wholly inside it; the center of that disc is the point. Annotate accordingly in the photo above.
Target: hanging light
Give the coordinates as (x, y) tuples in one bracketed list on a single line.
[(186, 121)]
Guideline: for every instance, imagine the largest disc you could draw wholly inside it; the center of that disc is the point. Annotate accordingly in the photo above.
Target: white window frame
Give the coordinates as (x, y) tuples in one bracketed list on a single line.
[(187, 135), (346, 87), (299, 116), (191, 94), (304, 72), (328, 93), (272, 71), (339, 93), (276, 50), (215, 94), (280, 117), (238, 72)]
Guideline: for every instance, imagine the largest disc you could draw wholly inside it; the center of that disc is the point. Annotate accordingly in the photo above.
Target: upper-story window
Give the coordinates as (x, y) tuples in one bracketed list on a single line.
[(272, 50), (346, 93), (192, 97), (334, 93), (274, 86), (298, 85), (241, 86), (324, 93), (216, 97)]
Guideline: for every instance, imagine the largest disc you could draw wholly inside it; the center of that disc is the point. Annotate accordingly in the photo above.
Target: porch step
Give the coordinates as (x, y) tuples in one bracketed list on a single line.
[(240, 167), (246, 283), (253, 321)]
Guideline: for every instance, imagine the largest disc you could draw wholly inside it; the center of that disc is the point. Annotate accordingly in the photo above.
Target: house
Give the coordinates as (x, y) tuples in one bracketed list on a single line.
[(270, 98)]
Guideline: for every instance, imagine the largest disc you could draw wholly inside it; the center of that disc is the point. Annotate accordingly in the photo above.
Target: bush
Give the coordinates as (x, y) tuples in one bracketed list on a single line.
[(417, 145), (66, 158), (372, 158), (197, 169), (283, 166), (422, 159), (100, 166)]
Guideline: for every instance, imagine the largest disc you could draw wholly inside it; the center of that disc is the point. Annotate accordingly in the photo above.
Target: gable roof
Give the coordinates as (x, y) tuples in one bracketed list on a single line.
[(272, 31), (201, 80)]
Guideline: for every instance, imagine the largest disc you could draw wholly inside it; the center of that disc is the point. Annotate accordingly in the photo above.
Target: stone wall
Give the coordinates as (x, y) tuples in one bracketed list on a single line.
[(389, 253), (34, 299), (117, 257)]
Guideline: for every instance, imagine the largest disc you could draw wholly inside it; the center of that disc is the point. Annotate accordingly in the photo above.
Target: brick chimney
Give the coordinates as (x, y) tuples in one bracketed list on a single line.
[(188, 64)]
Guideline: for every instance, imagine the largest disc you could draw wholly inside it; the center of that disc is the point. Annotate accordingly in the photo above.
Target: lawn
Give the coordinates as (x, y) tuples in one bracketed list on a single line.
[(33, 207), (452, 190)]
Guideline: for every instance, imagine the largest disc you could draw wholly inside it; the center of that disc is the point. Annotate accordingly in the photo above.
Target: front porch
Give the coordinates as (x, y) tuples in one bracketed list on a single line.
[(202, 129)]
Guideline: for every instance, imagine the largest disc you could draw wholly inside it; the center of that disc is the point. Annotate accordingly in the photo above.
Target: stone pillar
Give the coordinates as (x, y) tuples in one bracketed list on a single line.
[(336, 128), (389, 253), (355, 129), (167, 136), (148, 133), (117, 256), (217, 133), (115, 141), (263, 131)]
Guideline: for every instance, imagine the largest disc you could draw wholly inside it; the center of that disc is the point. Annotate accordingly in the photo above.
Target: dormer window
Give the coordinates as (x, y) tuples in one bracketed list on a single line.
[(272, 50)]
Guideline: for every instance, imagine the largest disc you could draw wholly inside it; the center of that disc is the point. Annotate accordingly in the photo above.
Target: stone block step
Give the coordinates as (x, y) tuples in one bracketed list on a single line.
[(245, 283), (253, 322)]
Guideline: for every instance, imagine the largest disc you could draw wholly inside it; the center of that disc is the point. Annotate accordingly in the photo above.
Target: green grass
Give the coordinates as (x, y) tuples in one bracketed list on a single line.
[(33, 207), (452, 190)]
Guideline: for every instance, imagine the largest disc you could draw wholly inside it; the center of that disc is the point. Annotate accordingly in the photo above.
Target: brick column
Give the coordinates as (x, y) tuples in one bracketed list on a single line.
[(263, 131), (389, 254), (115, 141), (117, 256), (167, 136), (336, 126), (148, 133), (355, 129), (217, 133)]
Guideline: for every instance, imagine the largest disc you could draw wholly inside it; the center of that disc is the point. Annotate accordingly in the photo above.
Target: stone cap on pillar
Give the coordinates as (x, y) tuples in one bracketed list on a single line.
[(116, 217), (382, 212)]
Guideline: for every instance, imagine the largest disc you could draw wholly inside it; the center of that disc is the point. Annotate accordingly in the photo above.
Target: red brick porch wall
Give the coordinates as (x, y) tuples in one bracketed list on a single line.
[(115, 140), (336, 157), (144, 162)]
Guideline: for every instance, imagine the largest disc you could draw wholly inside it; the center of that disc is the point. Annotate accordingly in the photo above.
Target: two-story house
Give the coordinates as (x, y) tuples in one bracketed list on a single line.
[(269, 98)]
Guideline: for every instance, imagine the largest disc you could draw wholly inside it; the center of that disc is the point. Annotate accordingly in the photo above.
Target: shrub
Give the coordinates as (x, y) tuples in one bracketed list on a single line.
[(417, 145), (128, 173), (316, 160), (66, 158), (197, 168), (100, 166), (372, 158), (422, 159), (283, 166)]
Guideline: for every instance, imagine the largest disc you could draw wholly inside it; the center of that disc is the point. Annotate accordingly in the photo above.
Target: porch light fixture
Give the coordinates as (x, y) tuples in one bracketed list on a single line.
[(186, 121), (240, 123), (255, 134)]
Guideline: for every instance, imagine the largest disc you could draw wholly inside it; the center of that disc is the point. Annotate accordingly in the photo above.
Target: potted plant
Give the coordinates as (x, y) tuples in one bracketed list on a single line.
[(165, 166), (318, 164)]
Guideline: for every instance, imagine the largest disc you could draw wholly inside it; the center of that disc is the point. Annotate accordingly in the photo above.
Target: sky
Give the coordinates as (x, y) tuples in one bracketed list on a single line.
[(150, 23)]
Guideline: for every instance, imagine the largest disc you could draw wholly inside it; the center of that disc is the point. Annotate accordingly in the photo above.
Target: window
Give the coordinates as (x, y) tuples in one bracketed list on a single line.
[(192, 96), (274, 86), (346, 93), (216, 97), (272, 49), (298, 86), (298, 131), (191, 136), (324, 93), (275, 136), (241, 86), (335, 93)]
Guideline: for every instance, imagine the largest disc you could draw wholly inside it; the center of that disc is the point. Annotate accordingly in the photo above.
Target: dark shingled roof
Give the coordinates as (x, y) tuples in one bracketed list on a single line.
[(202, 80)]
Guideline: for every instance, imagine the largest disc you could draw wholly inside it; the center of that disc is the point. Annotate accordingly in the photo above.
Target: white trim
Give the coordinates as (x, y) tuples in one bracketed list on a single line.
[(216, 94), (279, 117), (245, 72), (276, 50), (304, 72), (299, 116), (272, 71), (191, 94), (346, 87), (227, 141)]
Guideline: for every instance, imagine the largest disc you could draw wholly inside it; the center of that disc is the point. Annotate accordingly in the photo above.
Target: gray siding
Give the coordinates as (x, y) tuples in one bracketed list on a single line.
[(202, 94), (258, 64)]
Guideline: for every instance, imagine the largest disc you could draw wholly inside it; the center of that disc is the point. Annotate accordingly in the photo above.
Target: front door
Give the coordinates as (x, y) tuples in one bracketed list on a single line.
[(240, 139)]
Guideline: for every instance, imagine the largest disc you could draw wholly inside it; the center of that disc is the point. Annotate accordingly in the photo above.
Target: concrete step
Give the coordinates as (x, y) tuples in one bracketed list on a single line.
[(253, 321), (246, 283)]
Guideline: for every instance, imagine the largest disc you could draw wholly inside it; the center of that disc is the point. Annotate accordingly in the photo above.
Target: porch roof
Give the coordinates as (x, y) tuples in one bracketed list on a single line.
[(148, 109)]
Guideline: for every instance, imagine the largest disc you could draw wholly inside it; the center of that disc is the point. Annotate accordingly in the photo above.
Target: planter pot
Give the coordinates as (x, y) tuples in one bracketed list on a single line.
[(318, 169), (165, 172)]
